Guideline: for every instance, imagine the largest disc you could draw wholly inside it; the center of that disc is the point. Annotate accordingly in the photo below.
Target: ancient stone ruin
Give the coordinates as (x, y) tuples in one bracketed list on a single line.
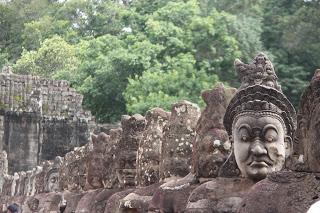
[(246, 151), (39, 120)]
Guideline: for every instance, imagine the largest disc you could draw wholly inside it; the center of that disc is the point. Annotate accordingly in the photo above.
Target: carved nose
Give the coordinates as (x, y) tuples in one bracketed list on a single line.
[(258, 148)]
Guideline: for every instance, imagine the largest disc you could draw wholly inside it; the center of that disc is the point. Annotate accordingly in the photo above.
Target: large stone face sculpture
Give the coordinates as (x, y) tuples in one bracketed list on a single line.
[(260, 120), (294, 191)]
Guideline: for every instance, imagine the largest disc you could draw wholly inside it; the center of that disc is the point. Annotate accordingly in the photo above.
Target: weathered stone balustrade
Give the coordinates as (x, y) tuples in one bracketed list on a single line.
[(143, 153)]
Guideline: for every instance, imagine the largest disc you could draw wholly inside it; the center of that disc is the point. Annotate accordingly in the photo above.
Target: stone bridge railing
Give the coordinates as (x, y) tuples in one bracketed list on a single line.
[(144, 151)]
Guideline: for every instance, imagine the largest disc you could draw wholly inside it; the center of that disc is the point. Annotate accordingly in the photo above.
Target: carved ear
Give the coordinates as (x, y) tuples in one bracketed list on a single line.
[(231, 142), (288, 145), (231, 139)]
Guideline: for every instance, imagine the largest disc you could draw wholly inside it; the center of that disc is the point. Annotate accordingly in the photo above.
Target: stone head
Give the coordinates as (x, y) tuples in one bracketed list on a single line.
[(133, 127), (308, 134), (99, 142), (149, 151), (52, 177), (96, 160), (179, 134), (261, 122), (73, 176), (126, 168), (212, 153), (33, 204), (211, 146), (110, 158), (52, 180)]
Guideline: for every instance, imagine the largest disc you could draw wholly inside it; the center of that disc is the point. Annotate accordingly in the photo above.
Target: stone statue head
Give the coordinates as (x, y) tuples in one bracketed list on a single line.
[(126, 168), (149, 151), (133, 127), (178, 136), (308, 134), (96, 160), (211, 146), (33, 204), (260, 120), (110, 163), (52, 177), (53, 180)]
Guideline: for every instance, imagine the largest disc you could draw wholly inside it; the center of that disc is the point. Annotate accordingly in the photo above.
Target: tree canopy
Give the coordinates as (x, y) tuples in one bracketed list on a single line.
[(129, 56)]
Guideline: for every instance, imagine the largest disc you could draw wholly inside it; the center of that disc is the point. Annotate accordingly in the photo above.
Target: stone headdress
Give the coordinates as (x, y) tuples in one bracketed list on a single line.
[(259, 94)]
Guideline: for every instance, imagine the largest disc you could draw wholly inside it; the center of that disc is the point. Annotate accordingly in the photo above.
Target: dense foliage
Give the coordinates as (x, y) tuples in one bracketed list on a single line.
[(128, 56)]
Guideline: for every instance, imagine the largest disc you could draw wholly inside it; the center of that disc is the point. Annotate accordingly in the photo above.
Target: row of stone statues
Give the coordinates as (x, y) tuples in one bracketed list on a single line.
[(247, 151)]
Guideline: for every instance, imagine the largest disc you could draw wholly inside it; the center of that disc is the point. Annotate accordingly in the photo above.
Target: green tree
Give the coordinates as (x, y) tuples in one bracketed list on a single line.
[(93, 18), (107, 63), (116, 53), (35, 32), (290, 33), (16, 14), (162, 89), (181, 28), (54, 57)]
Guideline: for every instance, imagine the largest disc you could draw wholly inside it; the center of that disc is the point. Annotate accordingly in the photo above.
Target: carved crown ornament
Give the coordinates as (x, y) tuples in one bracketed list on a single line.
[(260, 94), (259, 72)]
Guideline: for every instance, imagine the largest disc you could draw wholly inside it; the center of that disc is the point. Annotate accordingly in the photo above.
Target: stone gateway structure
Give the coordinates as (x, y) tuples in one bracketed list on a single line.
[(39, 120), (246, 151)]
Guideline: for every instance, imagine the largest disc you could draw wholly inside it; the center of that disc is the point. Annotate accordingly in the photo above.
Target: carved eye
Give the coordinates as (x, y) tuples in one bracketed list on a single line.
[(271, 135), (244, 134), (53, 180)]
